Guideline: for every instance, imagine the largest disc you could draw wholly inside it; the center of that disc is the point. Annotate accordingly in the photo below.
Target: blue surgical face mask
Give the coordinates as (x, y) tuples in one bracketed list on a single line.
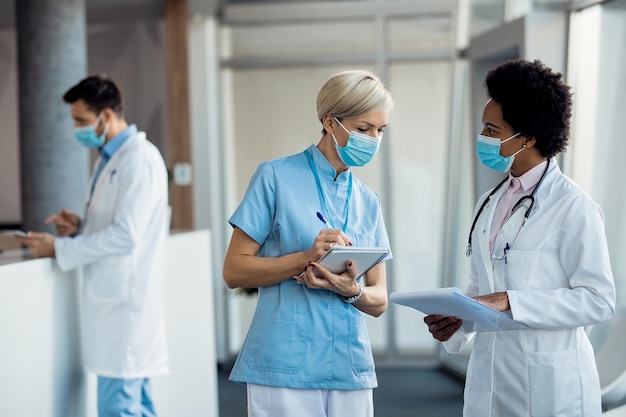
[(88, 137), (360, 148), (488, 150)]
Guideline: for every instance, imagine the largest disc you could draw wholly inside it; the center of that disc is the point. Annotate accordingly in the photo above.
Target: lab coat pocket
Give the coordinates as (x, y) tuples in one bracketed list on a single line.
[(554, 384), (522, 270), (360, 348), (277, 342)]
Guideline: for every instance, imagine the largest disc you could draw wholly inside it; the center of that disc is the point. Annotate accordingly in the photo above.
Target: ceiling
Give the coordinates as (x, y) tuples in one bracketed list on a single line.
[(99, 11)]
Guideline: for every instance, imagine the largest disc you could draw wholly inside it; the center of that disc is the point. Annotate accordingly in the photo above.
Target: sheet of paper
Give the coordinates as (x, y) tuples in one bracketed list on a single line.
[(452, 302)]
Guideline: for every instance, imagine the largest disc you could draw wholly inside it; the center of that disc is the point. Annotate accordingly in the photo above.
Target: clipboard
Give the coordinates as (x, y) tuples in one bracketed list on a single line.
[(364, 258), (452, 302)]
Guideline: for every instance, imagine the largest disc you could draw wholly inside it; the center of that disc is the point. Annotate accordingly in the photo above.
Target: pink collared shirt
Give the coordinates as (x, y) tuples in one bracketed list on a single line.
[(517, 188)]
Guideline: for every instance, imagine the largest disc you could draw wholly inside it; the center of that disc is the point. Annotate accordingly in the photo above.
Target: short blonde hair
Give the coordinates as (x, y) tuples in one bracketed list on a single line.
[(351, 94)]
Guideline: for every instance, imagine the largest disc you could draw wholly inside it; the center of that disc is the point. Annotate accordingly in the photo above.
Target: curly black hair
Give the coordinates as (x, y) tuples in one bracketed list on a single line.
[(535, 102)]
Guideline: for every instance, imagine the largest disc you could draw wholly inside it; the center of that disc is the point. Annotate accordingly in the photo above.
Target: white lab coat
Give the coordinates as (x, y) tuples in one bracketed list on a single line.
[(558, 278), (121, 249)]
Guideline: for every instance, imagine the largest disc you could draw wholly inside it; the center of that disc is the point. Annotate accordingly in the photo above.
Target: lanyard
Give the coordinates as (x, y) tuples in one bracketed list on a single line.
[(320, 192)]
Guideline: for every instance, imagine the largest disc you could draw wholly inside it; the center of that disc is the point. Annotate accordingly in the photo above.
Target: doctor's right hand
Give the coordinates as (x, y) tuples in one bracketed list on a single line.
[(442, 328), (66, 222)]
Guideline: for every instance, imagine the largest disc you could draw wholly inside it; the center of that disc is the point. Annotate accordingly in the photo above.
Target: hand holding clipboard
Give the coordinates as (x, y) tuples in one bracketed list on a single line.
[(364, 258)]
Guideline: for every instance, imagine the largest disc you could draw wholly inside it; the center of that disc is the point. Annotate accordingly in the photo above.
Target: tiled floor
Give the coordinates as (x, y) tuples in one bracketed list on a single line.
[(401, 392)]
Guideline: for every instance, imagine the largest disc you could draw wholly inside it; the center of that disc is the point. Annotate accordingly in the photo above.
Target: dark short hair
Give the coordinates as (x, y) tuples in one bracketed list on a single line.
[(98, 92), (535, 102)]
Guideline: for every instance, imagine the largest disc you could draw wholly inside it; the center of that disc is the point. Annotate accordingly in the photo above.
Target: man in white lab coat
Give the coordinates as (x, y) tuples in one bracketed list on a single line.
[(120, 243), (550, 272)]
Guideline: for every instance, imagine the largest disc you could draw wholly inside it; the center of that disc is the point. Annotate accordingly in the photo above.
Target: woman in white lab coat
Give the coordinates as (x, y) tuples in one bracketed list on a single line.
[(550, 272)]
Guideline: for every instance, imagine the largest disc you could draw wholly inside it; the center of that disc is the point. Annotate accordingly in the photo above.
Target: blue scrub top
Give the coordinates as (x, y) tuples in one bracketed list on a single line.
[(301, 337)]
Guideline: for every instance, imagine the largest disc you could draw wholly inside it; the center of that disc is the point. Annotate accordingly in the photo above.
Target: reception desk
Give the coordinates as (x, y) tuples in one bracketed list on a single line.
[(40, 357)]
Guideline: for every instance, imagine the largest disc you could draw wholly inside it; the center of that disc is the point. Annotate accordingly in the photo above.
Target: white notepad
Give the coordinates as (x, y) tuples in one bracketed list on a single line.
[(364, 258)]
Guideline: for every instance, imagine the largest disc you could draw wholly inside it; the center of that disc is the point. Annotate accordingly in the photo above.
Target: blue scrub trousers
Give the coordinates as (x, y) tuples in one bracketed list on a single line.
[(125, 397)]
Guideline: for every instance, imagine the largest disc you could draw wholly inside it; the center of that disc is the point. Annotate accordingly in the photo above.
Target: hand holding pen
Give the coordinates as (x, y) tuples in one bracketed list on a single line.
[(323, 220), (337, 237), (325, 240), (329, 237)]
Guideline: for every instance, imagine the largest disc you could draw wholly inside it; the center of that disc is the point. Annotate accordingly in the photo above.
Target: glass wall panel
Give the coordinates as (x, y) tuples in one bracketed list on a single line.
[(461, 200), (489, 14), (486, 15), (269, 112), (420, 33), (327, 39), (597, 147), (274, 116), (418, 150)]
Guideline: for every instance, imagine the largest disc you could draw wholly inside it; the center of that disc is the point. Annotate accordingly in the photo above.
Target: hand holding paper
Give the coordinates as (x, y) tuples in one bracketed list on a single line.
[(497, 300), (451, 302), (442, 328)]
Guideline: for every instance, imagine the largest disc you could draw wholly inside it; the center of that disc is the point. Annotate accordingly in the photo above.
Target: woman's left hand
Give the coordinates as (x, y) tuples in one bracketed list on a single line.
[(497, 300), (343, 284)]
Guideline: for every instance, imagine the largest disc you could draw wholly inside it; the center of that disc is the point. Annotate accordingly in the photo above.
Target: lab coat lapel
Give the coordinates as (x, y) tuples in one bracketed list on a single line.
[(111, 167), (101, 194), (546, 188), (484, 231)]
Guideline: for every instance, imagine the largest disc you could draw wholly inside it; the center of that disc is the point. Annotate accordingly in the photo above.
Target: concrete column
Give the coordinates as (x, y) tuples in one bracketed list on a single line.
[(52, 56)]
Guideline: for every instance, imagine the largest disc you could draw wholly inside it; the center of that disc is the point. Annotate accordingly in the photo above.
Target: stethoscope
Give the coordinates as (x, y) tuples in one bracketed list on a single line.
[(517, 205)]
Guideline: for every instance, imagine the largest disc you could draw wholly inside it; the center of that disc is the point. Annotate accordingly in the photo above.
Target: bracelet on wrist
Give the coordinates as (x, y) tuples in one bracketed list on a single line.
[(354, 298)]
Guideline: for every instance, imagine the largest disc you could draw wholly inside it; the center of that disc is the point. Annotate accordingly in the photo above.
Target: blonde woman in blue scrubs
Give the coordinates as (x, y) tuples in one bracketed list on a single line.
[(308, 352)]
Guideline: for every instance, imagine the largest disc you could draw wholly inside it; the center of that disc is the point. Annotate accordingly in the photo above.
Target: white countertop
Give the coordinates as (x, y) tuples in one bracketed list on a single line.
[(15, 255)]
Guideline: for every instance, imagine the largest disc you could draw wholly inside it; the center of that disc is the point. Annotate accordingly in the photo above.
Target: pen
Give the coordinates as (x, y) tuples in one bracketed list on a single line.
[(323, 220), (507, 248)]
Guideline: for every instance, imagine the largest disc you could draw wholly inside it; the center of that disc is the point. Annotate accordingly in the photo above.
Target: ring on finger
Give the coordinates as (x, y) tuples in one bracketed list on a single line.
[(330, 246)]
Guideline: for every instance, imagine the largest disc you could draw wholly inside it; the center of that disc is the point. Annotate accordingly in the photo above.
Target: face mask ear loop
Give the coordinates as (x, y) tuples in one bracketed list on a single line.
[(105, 132), (523, 147), (512, 137), (340, 124), (95, 125)]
